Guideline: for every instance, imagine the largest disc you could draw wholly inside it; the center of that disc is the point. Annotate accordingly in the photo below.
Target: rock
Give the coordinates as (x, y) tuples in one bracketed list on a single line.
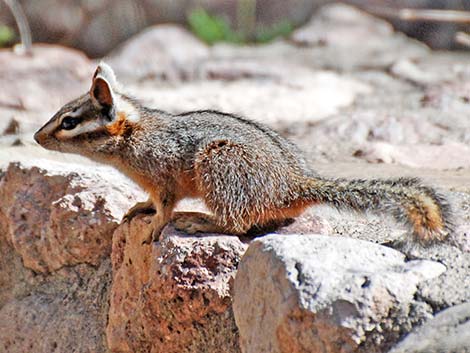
[(279, 103), (317, 293), (338, 30), (446, 156), (171, 54), (56, 285), (44, 81), (307, 223), (463, 236), (448, 331), (224, 67), (453, 96), (452, 287), (62, 312), (410, 71), (174, 295), (56, 223), (12, 128), (58, 214)]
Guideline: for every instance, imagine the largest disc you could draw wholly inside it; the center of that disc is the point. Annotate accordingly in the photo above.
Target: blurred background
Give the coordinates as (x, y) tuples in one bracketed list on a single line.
[(98, 26)]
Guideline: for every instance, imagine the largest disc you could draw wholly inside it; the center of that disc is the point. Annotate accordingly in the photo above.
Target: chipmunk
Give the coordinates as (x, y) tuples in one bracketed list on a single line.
[(247, 174)]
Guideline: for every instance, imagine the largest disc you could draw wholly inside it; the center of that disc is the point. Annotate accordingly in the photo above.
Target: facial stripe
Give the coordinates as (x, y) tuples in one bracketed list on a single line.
[(82, 128), (50, 127), (73, 114)]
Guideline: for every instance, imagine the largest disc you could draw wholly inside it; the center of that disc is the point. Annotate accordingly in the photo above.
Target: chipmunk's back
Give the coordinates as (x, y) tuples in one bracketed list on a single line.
[(197, 129)]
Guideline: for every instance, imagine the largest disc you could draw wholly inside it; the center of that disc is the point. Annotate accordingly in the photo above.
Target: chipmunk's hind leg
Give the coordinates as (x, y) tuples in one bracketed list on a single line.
[(269, 227), (194, 222), (239, 186), (146, 207)]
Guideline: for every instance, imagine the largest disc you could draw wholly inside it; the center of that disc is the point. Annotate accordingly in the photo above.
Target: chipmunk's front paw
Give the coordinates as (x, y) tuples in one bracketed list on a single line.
[(146, 207)]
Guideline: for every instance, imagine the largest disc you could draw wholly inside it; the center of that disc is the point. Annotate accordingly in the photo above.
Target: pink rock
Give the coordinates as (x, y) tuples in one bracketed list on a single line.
[(56, 224), (447, 156), (59, 214), (44, 81), (161, 60), (173, 295)]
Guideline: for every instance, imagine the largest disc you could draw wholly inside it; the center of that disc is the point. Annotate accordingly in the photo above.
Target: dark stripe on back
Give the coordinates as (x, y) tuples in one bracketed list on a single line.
[(274, 136)]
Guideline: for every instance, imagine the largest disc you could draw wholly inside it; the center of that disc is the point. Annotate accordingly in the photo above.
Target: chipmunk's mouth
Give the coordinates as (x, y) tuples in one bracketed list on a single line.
[(45, 140)]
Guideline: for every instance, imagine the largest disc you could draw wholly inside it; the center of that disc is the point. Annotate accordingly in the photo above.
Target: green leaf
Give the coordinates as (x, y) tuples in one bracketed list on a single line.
[(209, 28), (281, 29), (7, 35), (212, 29)]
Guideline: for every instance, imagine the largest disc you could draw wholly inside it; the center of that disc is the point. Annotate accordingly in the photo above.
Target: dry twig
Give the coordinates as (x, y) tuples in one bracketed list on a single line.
[(408, 14)]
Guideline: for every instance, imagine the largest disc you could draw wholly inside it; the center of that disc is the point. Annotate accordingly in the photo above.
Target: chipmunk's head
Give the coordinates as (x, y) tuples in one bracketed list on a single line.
[(88, 123)]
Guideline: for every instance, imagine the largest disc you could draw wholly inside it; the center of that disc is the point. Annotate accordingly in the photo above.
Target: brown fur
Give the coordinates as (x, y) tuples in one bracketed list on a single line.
[(426, 218), (121, 126)]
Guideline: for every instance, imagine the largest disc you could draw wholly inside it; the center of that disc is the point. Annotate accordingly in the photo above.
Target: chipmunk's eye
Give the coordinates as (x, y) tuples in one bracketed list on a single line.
[(69, 123)]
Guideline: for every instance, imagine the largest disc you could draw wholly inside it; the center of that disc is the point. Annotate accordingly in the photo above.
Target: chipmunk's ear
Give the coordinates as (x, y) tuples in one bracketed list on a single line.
[(101, 93), (106, 72)]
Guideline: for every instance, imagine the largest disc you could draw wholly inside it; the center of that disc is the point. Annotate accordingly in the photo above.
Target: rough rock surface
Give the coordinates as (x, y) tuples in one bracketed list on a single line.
[(56, 225), (172, 296), (452, 323), (59, 215), (336, 30), (296, 293), (47, 78), (445, 156), (162, 62)]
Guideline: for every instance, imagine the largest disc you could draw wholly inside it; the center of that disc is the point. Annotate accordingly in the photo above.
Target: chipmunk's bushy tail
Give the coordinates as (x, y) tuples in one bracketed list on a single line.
[(418, 206)]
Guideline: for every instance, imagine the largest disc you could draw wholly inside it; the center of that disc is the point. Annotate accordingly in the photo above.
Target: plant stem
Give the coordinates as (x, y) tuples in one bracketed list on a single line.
[(246, 18), (22, 24)]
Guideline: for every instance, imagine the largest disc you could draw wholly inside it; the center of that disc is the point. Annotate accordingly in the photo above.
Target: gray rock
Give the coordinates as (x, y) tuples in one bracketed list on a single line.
[(161, 61), (51, 76), (320, 293), (453, 286), (338, 30), (447, 156), (447, 332), (309, 97)]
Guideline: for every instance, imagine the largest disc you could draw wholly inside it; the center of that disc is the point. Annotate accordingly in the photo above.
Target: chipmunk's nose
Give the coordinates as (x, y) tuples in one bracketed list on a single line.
[(37, 136)]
